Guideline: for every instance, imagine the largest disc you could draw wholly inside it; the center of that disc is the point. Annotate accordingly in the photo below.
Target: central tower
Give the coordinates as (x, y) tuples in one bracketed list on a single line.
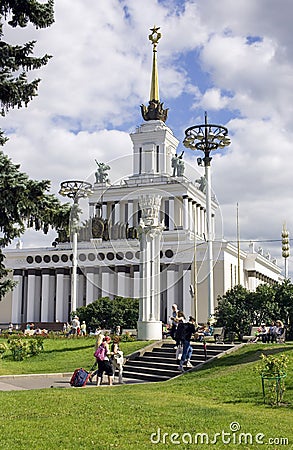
[(154, 144)]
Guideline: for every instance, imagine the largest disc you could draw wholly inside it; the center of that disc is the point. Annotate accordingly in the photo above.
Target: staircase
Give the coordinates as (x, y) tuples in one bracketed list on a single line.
[(159, 363)]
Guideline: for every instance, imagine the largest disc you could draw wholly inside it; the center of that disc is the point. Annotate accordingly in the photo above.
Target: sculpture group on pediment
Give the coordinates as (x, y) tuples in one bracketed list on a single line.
[(177, 164), (101, 173), (202, 184)]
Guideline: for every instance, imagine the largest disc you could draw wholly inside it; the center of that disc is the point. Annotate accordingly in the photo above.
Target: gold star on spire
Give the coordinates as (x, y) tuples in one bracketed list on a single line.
[(155, 36)]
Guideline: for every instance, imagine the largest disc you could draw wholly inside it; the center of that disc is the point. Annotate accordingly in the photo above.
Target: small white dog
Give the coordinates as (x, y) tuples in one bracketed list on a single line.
[(118, 361)]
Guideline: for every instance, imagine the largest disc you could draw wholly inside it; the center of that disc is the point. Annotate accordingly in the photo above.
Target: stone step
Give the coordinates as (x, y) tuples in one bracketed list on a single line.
[(160, 363), (170, 360), (163, 371), (144, 376), (143, 364), (167, 356)]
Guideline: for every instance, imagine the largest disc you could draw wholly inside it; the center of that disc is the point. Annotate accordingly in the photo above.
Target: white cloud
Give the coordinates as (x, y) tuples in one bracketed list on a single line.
[(231, 58)]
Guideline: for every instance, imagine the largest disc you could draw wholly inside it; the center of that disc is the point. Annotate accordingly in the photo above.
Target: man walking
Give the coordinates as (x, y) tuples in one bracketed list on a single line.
[(187, 332)]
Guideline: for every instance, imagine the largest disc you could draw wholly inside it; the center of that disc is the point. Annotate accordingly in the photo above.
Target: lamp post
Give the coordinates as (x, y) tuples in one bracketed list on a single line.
[(75, 190), (206, 138), (285, 248)]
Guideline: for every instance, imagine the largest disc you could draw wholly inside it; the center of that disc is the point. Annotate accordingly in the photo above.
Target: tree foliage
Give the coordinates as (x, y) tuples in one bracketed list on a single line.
[(17, 60), (105, 313), (238, 309), (23, 202)]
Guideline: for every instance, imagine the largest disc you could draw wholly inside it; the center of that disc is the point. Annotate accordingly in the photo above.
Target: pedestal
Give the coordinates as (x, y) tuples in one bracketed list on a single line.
[(149, 331)]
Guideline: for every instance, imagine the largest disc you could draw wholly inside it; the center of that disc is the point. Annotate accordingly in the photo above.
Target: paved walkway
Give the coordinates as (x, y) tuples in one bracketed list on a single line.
[(43, 381)]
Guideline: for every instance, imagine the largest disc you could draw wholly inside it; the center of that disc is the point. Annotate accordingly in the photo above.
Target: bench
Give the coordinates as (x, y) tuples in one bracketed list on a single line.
[(251, 336), (50, 326), (130, 331), (217, 336)]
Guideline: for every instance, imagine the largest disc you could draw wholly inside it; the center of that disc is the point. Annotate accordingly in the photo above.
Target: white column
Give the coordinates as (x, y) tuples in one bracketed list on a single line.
[(203, 222), (59, 294), (106, 280), (190, 215), (130, 213), (135, 211), (187, 298), (104, 211), (90, 283), (117, 213), (157, 276), (136, 284), (185, 213), (198, 222), (213, 227), (37, 310), (148, 326), (17, 298), (122, 212), (121, 281), (144, 292), (171, 213), (172, 296), (45, 295), (31, 293), (92, 210), (80, 288), (193, 216), (195, 225)]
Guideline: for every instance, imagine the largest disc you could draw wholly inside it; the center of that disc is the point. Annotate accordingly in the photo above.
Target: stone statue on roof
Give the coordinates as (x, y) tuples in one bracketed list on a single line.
[(202, 184), (178, 165), (101, 173)]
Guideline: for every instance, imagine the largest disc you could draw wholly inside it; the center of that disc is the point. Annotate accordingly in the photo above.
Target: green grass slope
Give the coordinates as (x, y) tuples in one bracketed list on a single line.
[(217, 407)]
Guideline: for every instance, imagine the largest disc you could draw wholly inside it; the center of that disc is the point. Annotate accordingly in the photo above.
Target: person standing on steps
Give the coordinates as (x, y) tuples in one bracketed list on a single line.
[(179, 329), (188, 329), (173, 320)]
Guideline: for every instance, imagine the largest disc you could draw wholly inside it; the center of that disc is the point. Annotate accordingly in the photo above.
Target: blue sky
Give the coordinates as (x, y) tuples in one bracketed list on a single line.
[(233, 59)]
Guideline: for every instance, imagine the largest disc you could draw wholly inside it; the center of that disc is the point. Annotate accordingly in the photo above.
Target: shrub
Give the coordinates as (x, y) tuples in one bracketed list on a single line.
[(273, 372), (3, 349), (19, 349), (106, 313), (23, 348)]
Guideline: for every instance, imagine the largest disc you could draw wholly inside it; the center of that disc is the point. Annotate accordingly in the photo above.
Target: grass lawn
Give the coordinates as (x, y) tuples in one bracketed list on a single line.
[(219, 402), (60, 355)]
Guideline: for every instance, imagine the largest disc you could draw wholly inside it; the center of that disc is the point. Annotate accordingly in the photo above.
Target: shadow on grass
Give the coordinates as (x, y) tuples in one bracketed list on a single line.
[(65, 350), (245, 355)]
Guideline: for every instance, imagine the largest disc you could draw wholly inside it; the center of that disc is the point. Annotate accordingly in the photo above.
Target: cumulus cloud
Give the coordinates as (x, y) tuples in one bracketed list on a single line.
[(233, 59)]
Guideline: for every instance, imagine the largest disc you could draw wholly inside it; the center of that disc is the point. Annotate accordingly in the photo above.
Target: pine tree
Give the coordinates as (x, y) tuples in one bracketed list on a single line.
[(17, 60), (23, 202)]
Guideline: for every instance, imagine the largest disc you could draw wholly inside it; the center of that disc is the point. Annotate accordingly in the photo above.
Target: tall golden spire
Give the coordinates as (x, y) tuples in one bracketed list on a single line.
[(154, 38), (155, 109)]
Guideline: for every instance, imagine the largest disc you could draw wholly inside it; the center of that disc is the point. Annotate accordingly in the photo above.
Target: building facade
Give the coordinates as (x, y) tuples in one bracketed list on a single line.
[(108, 253)]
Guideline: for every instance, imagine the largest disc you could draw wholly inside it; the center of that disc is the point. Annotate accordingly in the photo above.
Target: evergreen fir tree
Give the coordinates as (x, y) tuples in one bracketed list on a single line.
[(23, 202)]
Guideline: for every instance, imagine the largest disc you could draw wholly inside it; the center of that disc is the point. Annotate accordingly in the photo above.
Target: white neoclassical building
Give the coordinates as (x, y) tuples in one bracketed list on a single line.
[(109, 251)]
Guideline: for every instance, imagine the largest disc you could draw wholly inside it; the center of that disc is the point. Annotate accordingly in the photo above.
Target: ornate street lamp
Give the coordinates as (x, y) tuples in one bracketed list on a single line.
[(76, 190), (207, 138), (285, 248)]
